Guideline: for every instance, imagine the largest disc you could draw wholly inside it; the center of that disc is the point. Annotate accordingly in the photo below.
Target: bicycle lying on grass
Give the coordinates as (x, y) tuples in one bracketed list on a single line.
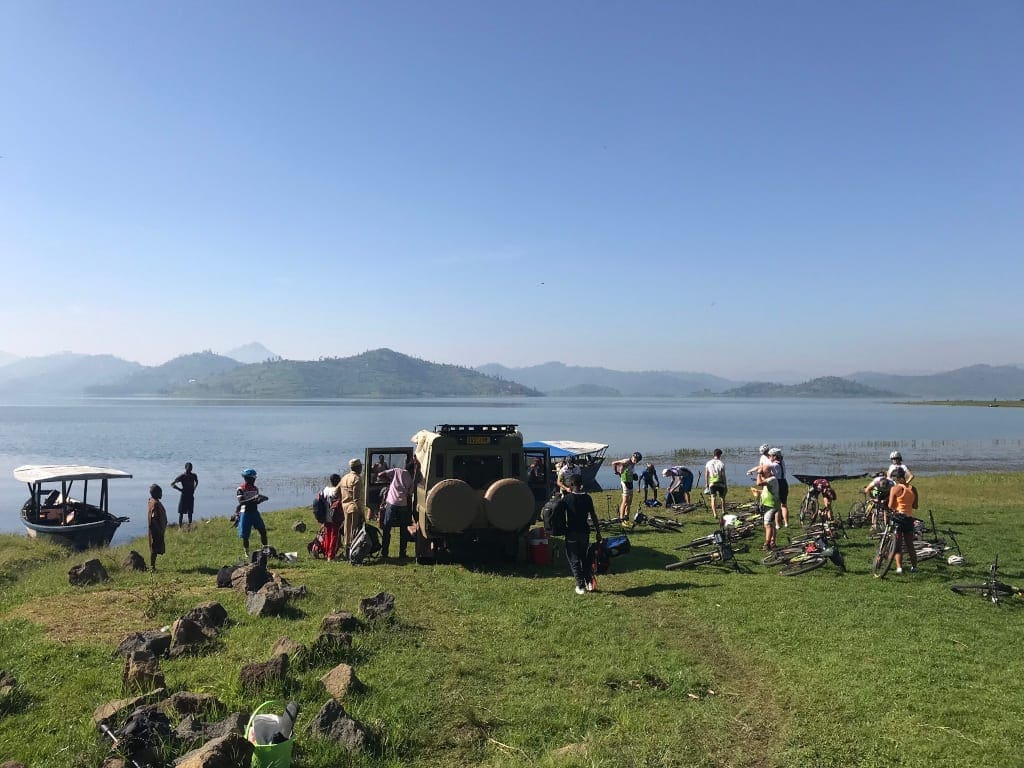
[(722, 553), (726, 532), (992, 589), (657, 523), (814, 556)]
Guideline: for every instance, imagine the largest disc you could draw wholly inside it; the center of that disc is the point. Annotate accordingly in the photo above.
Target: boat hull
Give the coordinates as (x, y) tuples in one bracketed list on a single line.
[(589, 473), (83, 536)]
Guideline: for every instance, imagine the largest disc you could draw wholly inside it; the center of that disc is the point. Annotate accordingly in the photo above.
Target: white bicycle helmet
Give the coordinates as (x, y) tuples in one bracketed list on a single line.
[(895, 456), (763, 448), (956, 560), (775, 452)]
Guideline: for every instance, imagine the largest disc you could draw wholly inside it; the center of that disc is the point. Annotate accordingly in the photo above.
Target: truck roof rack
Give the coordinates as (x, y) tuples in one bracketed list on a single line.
[(468, 429)]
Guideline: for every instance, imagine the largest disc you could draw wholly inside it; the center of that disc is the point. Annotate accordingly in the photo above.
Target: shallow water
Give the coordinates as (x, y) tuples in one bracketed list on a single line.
[(295, 444)]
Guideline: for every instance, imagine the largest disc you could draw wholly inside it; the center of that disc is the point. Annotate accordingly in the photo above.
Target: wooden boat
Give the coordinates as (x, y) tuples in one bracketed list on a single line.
[(589, 457), (52, 513), (808, 479)]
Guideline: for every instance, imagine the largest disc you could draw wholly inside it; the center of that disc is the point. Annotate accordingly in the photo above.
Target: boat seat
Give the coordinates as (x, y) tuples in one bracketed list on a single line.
[(51, 515)]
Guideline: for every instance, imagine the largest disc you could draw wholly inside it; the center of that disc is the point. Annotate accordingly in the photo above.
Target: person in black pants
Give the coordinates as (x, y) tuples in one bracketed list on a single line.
[(579, 512)]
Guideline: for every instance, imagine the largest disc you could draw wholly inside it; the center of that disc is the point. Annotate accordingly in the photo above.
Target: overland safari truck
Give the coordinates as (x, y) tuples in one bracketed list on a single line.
[(474, 492)]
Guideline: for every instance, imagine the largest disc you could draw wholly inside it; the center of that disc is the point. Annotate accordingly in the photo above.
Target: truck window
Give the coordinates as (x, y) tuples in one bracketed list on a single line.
[(478, 471)]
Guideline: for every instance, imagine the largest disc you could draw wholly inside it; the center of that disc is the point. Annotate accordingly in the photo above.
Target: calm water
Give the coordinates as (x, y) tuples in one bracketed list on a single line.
[(295, 445)]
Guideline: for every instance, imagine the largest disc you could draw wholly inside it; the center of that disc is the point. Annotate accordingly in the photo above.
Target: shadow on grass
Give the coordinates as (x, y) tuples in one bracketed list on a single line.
[(652, 589), (205, 570)]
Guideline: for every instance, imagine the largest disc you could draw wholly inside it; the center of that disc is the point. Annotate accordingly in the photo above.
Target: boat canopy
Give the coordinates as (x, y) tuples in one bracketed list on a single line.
[(33, 473), (562, 448)]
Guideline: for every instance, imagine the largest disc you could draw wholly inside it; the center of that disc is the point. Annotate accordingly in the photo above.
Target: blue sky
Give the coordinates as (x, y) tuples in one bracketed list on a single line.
[(742, 188)]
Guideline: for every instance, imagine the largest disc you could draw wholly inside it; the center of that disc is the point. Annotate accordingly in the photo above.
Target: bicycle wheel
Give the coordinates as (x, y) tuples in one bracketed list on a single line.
[(808, 510), (663, 524), (803, 566), (693, 562), (857, 514), (885, 555), (701, 541), (992, 591)]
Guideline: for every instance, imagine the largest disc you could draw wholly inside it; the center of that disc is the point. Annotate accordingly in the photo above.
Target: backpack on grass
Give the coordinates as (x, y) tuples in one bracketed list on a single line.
[(365, 544), (553, 516)]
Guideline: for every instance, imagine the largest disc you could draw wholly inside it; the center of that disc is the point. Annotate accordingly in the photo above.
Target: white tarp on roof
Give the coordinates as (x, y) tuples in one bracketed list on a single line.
[(575, 447), (33, 473)]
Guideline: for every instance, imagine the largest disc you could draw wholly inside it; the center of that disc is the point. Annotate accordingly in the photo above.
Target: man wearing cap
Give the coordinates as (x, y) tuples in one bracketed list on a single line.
[(350, 494)]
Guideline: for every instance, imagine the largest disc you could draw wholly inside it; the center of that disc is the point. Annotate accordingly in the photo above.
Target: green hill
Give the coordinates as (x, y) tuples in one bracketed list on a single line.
[(172, 375), (378, 373), (825, 386)]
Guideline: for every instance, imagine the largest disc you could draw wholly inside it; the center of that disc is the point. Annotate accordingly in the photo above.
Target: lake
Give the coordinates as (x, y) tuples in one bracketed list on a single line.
[(294, 445)]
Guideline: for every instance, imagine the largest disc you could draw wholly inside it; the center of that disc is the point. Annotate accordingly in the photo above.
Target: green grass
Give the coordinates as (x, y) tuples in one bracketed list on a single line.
[(504, 667)]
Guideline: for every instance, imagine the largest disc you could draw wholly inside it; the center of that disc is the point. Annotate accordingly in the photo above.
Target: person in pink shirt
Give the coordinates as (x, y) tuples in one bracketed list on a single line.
[(397, 509)]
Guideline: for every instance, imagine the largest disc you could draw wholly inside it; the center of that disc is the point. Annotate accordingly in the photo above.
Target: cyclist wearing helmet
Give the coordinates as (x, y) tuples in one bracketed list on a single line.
[(897, 461), (569, 469), (624, 469), (762, 461), (249, 497), (678, 491), (903, 502), (649, 481), (777, 466)]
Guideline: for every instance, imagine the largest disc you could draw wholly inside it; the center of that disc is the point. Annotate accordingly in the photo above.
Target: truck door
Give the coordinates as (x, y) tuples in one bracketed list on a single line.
[(376, 461), (540, 474)]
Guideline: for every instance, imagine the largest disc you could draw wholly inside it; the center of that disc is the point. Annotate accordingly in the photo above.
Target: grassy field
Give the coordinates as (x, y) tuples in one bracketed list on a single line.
[(512, 668)]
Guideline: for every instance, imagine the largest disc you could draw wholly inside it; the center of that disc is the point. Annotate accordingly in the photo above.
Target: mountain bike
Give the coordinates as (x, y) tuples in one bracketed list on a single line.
[(992, 589), (728, 532), (799, 546), (813, 558), (723, 553), (658, 523), (887, 544)]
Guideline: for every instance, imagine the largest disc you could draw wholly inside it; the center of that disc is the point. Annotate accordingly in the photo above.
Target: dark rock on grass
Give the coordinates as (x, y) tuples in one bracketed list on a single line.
[(334, 723), (89, 572), (341, 681), (342, 621), (259, 675), (106, 713), (7, 684), (192, 730), (296, 593), (230, 751), (189, 638), (249, 578), (187, 703), (152, 640), (142, 672), (210, 616), (294, 650), (12, 764), (134, 562), (269, 600), (224, 576), (380, 606), (299, 526)]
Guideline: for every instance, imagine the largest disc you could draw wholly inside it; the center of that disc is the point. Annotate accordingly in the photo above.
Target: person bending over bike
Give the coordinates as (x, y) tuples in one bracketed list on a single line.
[(903, 502), (827, 494), (878, 492)]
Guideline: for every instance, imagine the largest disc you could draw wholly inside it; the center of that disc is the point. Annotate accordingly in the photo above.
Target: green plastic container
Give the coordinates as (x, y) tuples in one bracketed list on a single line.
[(262, 728)]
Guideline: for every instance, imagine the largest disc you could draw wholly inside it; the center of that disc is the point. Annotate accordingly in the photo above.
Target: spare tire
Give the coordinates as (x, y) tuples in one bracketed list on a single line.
[(451, 506), (510, 504)]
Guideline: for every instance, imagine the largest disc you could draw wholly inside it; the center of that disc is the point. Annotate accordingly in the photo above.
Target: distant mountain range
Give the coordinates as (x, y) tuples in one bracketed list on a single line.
[(975, 382), (66, 373), (385, 373), (826, 386), (171, 377), (552, 378)]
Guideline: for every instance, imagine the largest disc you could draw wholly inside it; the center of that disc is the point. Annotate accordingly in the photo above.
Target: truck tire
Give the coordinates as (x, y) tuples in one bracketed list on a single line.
[(451, 506), (510, 504)]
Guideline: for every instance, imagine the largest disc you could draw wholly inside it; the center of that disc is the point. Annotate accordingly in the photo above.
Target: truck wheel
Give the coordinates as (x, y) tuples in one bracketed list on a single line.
[(510, 504)]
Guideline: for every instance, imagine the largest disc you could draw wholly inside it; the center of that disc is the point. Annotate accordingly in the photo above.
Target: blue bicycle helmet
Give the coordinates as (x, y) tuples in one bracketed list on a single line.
[(250, 472)]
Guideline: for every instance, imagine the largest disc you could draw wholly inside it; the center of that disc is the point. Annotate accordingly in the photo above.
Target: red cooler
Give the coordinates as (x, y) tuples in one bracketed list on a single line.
[(539, 547)]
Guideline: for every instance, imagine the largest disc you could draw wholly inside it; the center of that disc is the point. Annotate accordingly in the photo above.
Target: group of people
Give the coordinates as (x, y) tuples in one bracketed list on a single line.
[(156, 514), (348, 508)]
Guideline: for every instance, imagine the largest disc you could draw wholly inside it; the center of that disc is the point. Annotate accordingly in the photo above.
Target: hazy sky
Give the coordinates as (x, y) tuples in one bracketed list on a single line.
[(742, 188)]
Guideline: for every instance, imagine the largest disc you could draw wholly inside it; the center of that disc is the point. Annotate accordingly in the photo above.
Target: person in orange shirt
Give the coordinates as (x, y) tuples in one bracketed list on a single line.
[(903, 501)]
